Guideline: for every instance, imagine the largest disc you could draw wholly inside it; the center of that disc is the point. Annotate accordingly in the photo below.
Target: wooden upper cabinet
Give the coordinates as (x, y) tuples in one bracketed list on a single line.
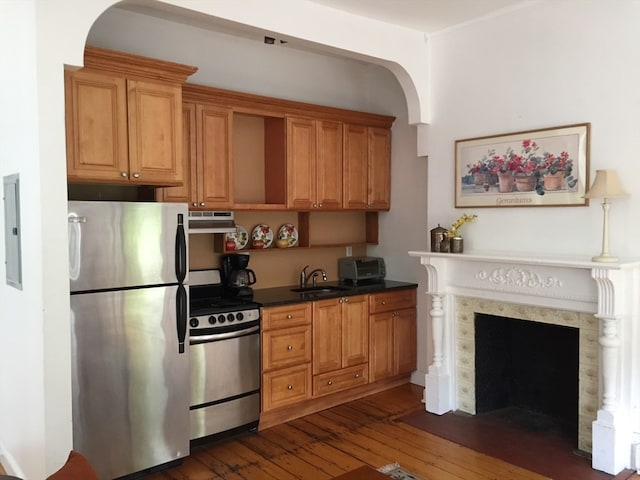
[(367, 167), (187, 192), (215, 184), (124, 119), (155, 133), (96, 127), (206, 140), (314, 164)]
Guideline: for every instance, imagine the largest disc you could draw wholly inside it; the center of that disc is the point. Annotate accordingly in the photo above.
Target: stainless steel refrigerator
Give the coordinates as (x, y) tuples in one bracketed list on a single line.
[(129, 306)]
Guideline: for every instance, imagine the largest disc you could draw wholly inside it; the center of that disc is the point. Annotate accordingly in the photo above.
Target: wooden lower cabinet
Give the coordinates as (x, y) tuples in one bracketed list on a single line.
[(340, 341), (286, 386), (319, 354), (286, 355), (342, 379), (393, 334)]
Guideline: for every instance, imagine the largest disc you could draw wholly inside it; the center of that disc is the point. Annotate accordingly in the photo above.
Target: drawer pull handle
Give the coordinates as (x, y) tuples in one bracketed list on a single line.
[(289, 347), (289, 316), (289, 387), (330, 382)]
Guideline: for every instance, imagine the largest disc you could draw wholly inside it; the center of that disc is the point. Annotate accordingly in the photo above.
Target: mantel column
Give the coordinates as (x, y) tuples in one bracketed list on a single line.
[(609, 429), (438, 394)]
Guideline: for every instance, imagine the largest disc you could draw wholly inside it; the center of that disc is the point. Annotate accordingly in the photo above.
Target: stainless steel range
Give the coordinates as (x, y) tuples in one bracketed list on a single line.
[(225, 359)]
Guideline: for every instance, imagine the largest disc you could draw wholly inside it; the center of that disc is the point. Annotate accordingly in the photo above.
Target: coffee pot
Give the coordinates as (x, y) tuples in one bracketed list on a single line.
[(236, 276)]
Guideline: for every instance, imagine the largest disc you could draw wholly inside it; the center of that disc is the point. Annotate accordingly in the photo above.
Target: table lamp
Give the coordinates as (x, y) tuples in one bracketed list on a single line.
[(606, 185)]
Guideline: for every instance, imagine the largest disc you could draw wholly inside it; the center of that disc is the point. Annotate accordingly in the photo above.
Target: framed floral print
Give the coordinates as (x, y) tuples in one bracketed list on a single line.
[(548, 167)]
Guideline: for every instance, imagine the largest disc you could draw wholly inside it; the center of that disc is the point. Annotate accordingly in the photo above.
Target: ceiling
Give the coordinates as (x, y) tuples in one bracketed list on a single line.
[(427, 16)]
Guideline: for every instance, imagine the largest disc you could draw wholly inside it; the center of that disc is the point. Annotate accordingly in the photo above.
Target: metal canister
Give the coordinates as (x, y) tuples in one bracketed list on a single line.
[(437, 235)]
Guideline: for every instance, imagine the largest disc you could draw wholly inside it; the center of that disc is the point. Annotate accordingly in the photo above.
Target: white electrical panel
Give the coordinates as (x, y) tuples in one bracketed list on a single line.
[(13, 255)]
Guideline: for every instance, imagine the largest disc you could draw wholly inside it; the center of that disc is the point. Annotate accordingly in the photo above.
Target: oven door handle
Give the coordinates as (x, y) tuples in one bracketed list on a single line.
[(194, 340)]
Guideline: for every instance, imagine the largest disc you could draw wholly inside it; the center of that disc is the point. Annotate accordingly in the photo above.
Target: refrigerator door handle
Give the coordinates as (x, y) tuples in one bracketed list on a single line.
[(181, 250), (181, 316)]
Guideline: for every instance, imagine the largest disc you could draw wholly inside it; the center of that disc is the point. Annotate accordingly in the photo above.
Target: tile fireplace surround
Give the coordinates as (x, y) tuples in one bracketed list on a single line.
[(601, 299)]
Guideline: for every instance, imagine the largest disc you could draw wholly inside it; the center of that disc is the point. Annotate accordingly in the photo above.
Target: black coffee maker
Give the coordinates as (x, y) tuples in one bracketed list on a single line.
[(237, 278)]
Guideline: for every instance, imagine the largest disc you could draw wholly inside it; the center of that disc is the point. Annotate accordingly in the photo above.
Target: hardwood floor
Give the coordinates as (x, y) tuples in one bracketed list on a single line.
[(327, 444)]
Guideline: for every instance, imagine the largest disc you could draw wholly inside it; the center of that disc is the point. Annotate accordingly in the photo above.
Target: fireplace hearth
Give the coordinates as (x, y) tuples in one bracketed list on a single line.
[(595, 299)]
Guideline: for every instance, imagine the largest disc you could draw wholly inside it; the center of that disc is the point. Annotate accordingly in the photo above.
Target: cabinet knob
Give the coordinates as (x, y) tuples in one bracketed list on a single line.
[(195, 204), (330, 382), (357, 375), (341, 300), (202, 204), (346, 299), (136, 175), (315, 205), (319, 205), (289, 347), (289, 316), (384, 302), (124, 174), (289, 387)]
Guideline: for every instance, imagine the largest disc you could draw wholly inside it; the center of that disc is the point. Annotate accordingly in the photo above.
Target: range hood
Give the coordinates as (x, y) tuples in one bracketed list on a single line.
[(211, 222)]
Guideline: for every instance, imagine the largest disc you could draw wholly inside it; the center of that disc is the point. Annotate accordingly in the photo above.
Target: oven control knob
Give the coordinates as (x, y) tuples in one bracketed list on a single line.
[(212, 320), (221, 318), (239, 316), (193, 322), (230, 317)]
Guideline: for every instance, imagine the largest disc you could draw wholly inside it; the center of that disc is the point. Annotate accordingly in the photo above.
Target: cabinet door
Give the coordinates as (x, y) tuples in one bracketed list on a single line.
[(405, 341), (327, 335), (355, 330), (329, 165), (214, 171), (355, 159), (155, 133), (379, 173), (381, 361), (186, 193), (96, 127), (301, 163)]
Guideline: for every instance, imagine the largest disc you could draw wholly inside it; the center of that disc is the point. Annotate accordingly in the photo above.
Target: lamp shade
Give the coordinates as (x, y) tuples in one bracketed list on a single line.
[(606, 185)]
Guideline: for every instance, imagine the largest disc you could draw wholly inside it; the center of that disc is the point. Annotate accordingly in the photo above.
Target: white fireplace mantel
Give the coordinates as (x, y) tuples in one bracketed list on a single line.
[(611, 291)]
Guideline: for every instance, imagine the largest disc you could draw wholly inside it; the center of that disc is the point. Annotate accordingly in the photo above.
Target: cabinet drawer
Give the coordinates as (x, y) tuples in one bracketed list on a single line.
[(286, 386), (286, 347), (330, 382), (286, 316), (392, 300)]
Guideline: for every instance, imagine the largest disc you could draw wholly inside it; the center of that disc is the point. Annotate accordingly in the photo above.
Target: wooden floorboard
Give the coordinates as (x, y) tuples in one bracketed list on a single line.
[(338, 440)]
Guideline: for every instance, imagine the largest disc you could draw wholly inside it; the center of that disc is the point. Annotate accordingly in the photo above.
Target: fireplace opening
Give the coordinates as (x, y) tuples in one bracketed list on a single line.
[(527, 372)]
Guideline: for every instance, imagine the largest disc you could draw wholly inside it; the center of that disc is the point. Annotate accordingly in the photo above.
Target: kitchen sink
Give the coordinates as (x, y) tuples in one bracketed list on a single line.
[(320, 289)]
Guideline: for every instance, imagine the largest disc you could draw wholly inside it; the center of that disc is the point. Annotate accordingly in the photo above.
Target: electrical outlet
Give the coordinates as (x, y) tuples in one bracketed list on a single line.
[(349, 251)]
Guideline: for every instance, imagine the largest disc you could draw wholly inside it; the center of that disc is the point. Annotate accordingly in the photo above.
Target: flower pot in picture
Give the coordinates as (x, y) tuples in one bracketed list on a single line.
[(526, 183), (505, 182), (553, 181), (479, 178)]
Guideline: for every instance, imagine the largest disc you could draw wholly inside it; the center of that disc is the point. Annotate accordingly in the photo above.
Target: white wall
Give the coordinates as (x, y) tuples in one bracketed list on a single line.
[(555, 63)]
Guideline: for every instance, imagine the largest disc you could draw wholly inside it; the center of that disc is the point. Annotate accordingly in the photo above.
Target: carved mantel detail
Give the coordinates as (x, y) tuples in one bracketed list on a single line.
[(606, 291), (517, 277)]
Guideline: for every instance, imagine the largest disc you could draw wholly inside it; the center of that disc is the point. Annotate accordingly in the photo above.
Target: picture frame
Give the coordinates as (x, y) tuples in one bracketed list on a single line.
[(547, 167)]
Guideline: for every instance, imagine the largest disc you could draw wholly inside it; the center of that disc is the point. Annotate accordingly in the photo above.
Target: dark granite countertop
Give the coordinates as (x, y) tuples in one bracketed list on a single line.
[(270, 297)]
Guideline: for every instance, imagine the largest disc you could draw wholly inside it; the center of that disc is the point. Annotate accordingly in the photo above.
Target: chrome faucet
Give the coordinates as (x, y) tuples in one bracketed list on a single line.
[(313, 274)]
